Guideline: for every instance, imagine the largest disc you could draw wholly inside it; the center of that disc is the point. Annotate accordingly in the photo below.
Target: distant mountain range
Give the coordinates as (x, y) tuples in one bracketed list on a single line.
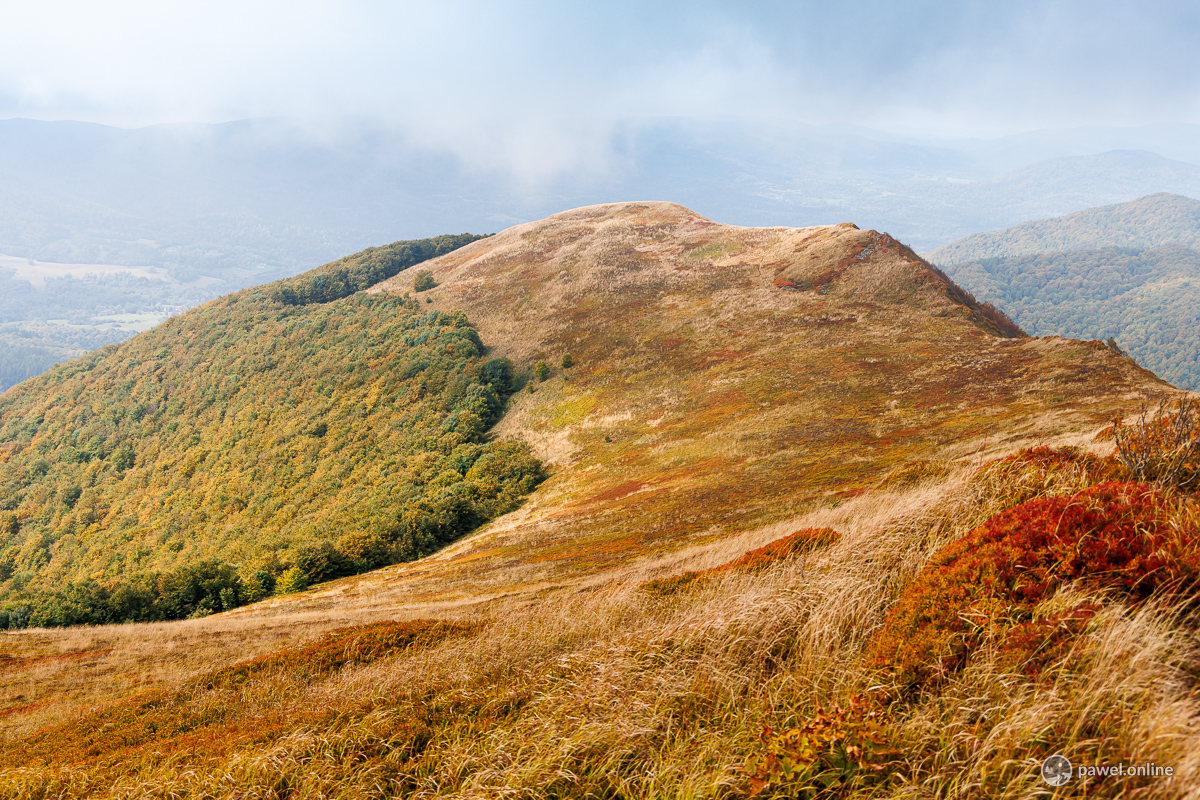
[(250, 201), (216, 208), (1157, 220), (1129, 271)]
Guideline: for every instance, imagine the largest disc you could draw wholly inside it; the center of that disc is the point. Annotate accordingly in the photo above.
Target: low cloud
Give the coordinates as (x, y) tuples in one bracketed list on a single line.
[(539, 88)]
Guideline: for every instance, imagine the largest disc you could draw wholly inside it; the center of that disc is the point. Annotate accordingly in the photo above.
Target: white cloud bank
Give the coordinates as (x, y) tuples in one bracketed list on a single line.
[(540, 86)]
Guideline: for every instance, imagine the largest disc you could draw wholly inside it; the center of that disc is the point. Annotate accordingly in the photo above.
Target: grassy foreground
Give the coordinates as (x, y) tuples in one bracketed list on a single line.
[(765, 677)]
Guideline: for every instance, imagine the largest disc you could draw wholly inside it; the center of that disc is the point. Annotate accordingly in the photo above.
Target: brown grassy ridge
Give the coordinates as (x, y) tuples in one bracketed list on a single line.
[(729, 402), (710, 413)]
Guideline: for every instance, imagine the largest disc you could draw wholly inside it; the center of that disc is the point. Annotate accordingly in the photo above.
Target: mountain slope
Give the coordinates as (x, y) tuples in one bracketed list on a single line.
[(1157, 220), (1147, 300), (821, 391), (1125, 271), (728, 378), (325, 437)]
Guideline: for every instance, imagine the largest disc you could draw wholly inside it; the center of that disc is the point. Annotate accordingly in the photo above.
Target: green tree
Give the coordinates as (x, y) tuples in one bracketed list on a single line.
[(424, 281), (541, 370), (567, 361)]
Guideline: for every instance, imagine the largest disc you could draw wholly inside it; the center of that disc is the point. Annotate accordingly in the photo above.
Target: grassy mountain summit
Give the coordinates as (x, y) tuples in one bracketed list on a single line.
[(728, 378), (1128, 271), (1153, 221), (794, 534)]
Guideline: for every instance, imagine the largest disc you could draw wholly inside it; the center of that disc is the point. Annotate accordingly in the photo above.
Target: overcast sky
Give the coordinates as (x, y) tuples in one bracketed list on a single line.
[(561, 74)]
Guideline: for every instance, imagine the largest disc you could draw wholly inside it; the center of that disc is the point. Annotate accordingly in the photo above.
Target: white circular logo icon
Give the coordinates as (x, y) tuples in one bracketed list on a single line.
[(1056, 770)]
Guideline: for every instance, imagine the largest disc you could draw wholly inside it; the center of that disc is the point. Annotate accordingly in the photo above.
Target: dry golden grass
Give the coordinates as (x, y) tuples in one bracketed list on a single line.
[(611, 692), (707, 401)]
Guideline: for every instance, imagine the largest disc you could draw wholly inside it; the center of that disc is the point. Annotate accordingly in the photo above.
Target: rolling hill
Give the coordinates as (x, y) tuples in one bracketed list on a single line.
[(301, 427), (774, 455), (1126, 271), (1153, 221)]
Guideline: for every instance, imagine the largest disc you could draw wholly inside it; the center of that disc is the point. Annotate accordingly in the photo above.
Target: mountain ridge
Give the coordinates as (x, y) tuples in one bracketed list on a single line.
[(704, 301), (1156, 220)]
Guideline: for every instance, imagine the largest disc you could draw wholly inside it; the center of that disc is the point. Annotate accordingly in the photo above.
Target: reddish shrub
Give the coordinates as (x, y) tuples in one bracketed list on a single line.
[(662, 587), (1114, 537), (1032, 646), (794, 544)]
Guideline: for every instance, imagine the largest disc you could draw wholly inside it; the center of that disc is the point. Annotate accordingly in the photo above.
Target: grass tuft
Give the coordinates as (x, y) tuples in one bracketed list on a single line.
[(790, 546)]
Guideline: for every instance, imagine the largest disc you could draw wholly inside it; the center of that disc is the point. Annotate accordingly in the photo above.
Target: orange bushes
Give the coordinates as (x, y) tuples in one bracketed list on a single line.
[(1117, 538), (794, 544)]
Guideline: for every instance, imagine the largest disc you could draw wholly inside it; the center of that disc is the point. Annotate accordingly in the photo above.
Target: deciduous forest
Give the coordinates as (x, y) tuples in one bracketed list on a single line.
[(248, 446), (1148, 300)]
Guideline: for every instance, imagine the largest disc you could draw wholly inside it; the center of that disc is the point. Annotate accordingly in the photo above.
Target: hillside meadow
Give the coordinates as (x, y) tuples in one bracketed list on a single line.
[(813, 526), (775, 677)]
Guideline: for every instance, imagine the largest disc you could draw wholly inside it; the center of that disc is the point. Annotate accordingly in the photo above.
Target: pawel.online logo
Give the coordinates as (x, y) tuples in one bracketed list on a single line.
[(1056, 770)]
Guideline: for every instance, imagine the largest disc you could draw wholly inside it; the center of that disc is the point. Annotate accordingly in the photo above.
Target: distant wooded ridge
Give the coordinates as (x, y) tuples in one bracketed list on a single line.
[(68, 317), (1127, 271), (1157, 220)]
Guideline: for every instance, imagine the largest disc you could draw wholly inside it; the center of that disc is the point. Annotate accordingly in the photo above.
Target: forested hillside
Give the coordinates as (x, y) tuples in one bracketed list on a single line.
[(1148, 300), (1126, 271), (1157, 220), (245, 443)]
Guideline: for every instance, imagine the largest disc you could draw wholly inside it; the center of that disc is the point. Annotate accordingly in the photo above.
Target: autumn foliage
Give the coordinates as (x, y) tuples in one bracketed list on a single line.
[(1116, 539), (354, 273), (835, 751), (328, 438)]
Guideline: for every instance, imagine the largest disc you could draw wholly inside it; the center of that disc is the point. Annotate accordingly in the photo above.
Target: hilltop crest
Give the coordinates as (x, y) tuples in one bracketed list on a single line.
[(727, 378), (629, 253)]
